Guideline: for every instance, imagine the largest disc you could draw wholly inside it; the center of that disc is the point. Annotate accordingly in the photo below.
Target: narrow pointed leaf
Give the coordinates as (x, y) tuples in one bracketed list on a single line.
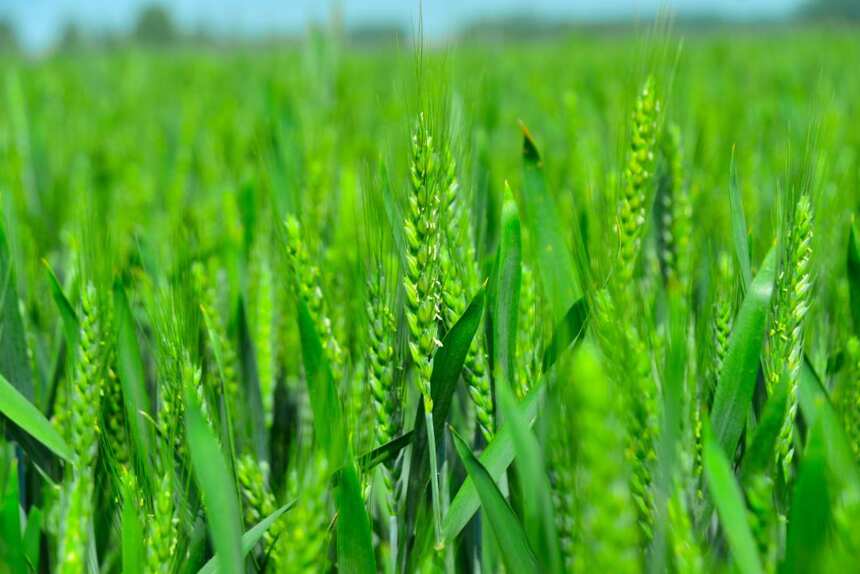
[(739, 227), (816, 407), (759, 455), (11, 541), (809, 517), (216, 485), (29, 419), (32, 538), (496, 458), (447, 366), (667, 446), (386, 452), (354, 539), (567, 332), (132, 379), (14, 364), (132, 533), (71, 325), (506, 293), (555, 263), (250, 539), (392, 211), (329, 427), (513, 543), (733, 396), (853, 269), (728, 499), (538, 516)]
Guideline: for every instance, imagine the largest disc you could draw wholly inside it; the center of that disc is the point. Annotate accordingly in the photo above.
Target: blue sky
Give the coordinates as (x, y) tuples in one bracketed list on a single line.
[(38, 21)]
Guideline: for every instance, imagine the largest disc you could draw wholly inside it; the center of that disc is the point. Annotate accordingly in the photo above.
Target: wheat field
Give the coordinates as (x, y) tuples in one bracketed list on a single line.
[(587, 304)]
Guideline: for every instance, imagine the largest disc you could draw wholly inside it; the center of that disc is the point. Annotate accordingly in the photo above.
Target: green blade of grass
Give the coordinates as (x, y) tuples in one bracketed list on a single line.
[(14, 363), (196, 549), (509, 533), (739, 227), (809, 515), (230, 418), (667, 446), (32, 538), (13, 347), (567, 332), (729, 502), (71, 325), (250, 539), (551, 252), (11, 542), (384, 453), (251, 418), (132, 532), (496, 458), (216, 485), (132, 379), (538, 515), (354, 540), (71, 332), (447, 366), (506, 294), (759, 455), (329, 427), (500, 452), (733, 396), (853, 268), (29, 419), (448, 363), (392, 210), (816, 406)]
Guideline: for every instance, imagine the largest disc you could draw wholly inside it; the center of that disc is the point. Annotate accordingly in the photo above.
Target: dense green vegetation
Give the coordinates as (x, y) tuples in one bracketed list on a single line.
[(578, 305)]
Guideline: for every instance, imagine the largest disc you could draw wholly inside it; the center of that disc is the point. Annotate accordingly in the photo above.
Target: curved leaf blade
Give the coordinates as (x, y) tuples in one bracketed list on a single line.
[(216, 485), (509, 533), (852, 266), (29, 419), (496, 458), (71, 325), (327, 409), (759, 455), (32, 537), (729, 501), (250, 539), (385, 452), (11, 542), (740, 234), (132, 533), (499, 454), (810, 513), (132, 378), (567, 332), (817, 408), (554, 260), (538, 515), (733, 396), (14, 364), (354, 539), (506, 294), (447, 366)]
